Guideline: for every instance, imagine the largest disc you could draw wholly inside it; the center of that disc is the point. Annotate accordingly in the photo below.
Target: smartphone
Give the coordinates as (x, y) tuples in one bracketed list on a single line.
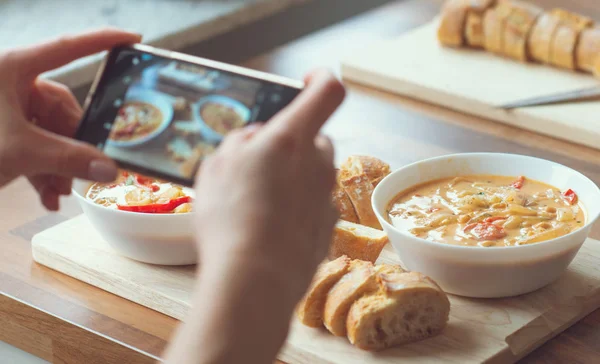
[(160, 113)]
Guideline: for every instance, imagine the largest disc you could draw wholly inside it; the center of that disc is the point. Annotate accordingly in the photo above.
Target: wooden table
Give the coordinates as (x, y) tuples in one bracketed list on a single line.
[(66, 321)]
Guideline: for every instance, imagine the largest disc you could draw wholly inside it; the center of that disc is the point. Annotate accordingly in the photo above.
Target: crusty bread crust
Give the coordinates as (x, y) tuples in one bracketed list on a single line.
[(357, 241), (342, 202), (359, 189), (474, 35), (310, 309), (588, 49), (360, 280), (375, 169), (408, 307)]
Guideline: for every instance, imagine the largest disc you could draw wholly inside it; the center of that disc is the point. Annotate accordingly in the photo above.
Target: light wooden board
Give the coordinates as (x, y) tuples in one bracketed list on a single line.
[(474, 82), (480, 330)]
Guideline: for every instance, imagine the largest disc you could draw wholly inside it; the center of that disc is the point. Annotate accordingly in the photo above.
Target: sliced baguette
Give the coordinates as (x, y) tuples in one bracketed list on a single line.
[(408, 307), (375, 169), (342, 202), (474, 36), (494, 22), (357, 241), (310, 309), (588, 49), (360, 280), (540, 38), (359, 189), (452, 23), (519, 24), (565, 39)]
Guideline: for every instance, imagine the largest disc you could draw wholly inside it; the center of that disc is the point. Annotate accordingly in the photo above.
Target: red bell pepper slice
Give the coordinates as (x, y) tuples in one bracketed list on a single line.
[(157, 207), (570, 196), (518, 183), (494, 218), (485, 231)]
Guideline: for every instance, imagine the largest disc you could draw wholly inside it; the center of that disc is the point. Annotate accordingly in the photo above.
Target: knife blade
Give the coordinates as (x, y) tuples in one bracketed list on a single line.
[(577, 95)]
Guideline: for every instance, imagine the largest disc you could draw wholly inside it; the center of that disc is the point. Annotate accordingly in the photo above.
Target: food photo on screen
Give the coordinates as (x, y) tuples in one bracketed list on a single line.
[(174, 114)]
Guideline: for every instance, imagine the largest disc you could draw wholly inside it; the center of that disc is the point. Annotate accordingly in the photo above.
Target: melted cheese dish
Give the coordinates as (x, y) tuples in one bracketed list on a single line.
[(486, 211), (135, 193)]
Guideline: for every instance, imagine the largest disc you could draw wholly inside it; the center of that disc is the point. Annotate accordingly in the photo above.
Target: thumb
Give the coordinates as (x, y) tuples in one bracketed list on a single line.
[(49, 153)]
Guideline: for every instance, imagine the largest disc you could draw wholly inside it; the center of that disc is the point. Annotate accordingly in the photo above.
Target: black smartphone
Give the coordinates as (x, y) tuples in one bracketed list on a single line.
[(160, 113)]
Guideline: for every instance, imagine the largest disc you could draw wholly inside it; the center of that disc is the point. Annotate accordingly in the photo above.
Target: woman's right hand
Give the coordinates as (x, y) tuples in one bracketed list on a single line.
[(264, 197)]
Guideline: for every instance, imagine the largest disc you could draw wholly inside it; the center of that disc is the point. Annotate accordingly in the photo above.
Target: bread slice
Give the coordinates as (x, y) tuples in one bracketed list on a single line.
[(342, 202), (310, 309), (588, 49), (359, 189), (519, 24), (494, 22), (540, 38), (375, 169), (360, 280), (408, 307), (452, 23), (474, 36), (357, 241), (565, 39)]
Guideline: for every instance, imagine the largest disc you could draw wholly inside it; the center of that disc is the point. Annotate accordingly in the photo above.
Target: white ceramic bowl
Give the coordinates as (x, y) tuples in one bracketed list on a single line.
[(495, 271), (165, 239)]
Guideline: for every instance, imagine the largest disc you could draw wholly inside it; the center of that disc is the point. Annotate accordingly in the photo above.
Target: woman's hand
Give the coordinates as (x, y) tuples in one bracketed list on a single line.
[(264, 198), (264, 221), (38, 117)]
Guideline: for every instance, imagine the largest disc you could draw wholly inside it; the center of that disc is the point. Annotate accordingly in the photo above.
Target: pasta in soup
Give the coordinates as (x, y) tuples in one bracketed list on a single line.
[(135, 120), (135, 193), (486, 211)]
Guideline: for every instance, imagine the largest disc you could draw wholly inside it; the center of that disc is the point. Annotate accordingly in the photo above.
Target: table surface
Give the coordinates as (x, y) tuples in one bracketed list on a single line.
[(64, 320)]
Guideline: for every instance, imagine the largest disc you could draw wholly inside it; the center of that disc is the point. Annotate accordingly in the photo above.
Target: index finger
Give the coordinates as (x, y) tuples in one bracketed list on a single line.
[(47, 56), (306, 114)]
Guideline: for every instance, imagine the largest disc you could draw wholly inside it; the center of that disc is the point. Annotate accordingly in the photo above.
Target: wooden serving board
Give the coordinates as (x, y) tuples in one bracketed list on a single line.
[(480, 330), (475, 82)]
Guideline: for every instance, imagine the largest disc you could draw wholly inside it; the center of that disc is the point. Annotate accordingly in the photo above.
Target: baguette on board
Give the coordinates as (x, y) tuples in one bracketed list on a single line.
[(519, 24), (359, 280), (408, 307), (357, 241), (456, 15), (310, 309), (588, 49)]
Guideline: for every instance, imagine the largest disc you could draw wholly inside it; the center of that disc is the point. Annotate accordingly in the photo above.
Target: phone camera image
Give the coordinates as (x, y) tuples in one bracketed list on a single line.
[(162, 116), (174, 114)]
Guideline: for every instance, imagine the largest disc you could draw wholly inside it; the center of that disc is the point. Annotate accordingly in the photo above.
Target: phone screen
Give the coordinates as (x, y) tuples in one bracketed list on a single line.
[(161, 116)]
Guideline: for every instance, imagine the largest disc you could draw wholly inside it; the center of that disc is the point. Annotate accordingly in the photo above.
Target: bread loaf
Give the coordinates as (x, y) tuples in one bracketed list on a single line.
[(357, 241), (408, 307), (310, 309), (359, 280), (588, 49), (359, 189), (452, 23)]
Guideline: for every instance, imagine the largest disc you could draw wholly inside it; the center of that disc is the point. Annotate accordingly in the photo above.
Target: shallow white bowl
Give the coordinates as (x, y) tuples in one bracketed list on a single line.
[(165, 239), (487, 272)]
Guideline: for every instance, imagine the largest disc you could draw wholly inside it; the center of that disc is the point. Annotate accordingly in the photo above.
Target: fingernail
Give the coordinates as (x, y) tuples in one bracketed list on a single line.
[(102, 171)]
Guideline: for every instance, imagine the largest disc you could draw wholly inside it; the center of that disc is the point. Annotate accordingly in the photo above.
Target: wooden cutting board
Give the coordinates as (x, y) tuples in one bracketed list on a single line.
[(474, 82), (480, 330)]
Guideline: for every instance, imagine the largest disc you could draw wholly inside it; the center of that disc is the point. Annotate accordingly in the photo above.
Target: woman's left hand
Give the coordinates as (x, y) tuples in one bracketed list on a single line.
[(38, 117)]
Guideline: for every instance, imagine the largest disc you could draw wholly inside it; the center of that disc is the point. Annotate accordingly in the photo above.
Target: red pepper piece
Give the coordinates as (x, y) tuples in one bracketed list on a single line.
[(157, 207), (518, 183), (485, 231), (494, 218), (570, 196)]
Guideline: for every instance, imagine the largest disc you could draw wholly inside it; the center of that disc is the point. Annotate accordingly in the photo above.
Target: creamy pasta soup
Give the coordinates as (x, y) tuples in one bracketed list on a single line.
[(136, 193), (486, 211)]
